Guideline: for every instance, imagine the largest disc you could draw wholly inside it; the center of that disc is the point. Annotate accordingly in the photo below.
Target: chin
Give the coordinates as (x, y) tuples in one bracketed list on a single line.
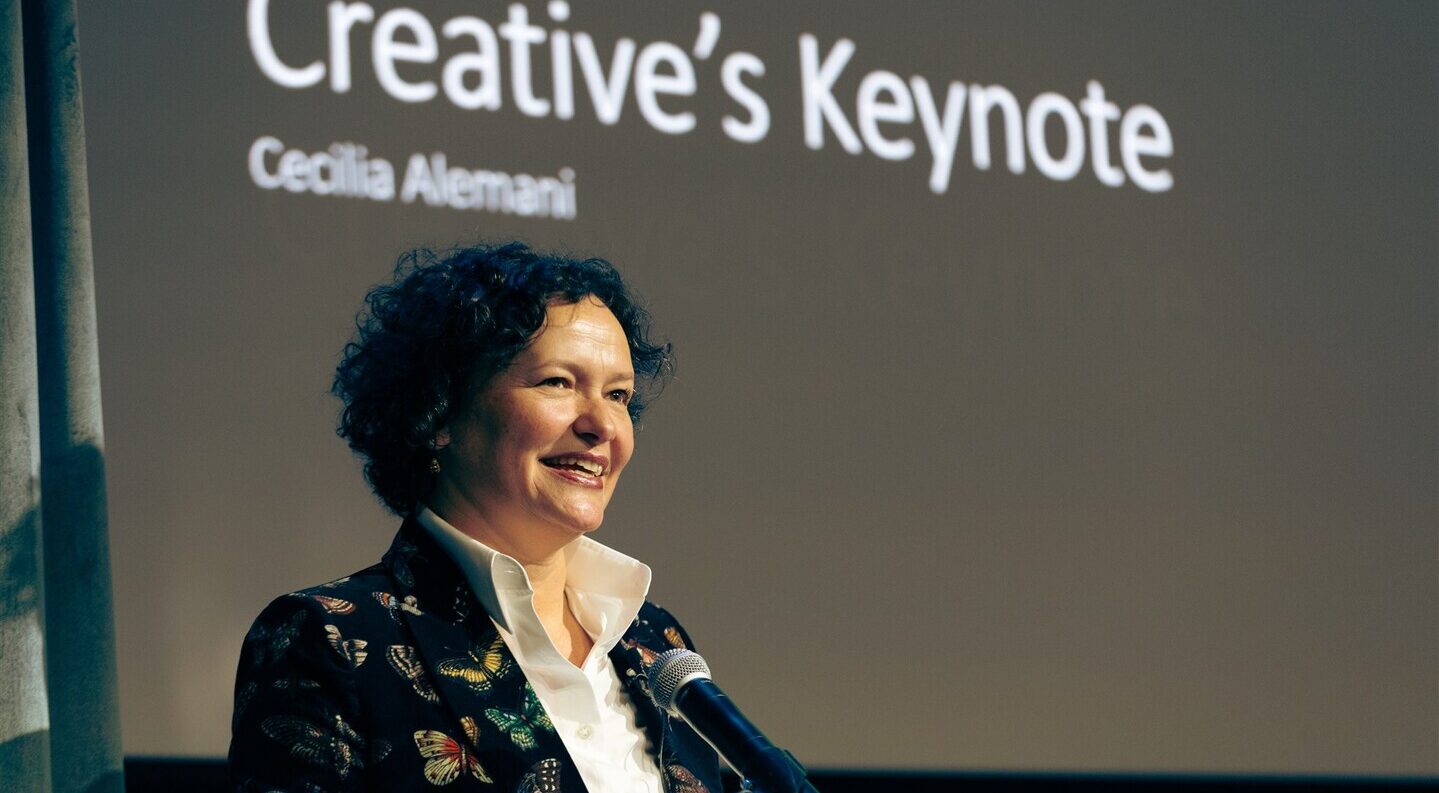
[(586, 528), (575, 524)]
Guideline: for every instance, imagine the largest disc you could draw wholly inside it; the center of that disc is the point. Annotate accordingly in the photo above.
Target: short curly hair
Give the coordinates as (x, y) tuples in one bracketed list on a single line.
[(441, 328)]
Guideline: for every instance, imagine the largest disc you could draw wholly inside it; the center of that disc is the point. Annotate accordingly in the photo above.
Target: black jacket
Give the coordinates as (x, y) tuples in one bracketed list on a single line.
[(395, 679)]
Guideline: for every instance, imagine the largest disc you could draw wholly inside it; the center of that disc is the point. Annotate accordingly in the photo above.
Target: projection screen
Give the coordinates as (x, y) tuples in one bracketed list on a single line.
[(1056, 382)]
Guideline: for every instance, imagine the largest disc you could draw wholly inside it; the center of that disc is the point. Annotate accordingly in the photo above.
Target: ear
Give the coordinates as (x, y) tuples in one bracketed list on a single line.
[(442, 439)]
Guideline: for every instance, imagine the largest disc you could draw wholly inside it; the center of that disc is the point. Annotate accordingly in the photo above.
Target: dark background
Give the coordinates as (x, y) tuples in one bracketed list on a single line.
[(1029, 475)]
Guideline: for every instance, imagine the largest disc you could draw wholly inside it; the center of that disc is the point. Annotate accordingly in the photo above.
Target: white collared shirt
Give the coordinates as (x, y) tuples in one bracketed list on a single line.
[(588, 705)]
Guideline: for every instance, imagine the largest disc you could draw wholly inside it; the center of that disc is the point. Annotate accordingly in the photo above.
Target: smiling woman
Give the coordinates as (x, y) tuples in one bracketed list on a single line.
[(492, 392), (530, 463)]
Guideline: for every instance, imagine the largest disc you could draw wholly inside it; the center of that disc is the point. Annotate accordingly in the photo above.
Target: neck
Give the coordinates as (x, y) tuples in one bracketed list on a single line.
[(542, 555), (547, 579), (526, 543)]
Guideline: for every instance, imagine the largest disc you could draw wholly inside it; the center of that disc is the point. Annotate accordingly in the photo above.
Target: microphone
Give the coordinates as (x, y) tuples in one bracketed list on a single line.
[(681, 685)]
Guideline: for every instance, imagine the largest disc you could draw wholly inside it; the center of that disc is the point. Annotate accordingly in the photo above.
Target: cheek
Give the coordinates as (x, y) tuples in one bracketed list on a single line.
[(542, 426), (525, 430), (624, 444)]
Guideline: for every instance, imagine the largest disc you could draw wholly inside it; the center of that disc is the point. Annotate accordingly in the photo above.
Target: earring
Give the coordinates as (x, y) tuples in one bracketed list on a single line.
[(434, 465)]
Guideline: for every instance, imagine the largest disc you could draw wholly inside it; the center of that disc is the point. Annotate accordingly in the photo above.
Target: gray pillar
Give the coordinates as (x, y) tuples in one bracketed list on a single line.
[(79, 609), (24, 705)]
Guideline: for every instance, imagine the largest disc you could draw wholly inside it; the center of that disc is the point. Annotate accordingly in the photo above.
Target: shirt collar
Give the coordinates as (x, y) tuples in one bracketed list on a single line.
[(606, 587)]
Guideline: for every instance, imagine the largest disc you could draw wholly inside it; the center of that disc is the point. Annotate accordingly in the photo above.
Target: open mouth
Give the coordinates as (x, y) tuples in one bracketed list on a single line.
[(580, 465)]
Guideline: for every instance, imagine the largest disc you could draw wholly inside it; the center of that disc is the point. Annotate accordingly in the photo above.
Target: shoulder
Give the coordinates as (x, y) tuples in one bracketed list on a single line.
[(332, 596), (302, 617), (362, 581), (298, 714)]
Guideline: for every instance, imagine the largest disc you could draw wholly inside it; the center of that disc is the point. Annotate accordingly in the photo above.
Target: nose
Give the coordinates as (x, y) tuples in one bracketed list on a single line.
[(595, 420)]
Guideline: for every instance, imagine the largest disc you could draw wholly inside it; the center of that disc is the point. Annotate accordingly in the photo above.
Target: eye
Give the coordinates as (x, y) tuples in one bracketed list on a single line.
[(622, 395), (559, 382)]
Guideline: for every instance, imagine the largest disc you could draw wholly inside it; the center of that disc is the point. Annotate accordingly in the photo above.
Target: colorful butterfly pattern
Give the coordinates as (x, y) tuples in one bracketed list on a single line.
[(336, 745), (639, 678), (522, 724), (672, 635), (446, 758), (647, 656), (682, 780), (396, 605), (352, 650), (335, 605), (480, 667), (543, 777), (406, 662)]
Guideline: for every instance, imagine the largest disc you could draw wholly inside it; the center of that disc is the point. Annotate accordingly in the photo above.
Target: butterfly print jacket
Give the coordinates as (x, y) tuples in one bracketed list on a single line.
[(395, 679)]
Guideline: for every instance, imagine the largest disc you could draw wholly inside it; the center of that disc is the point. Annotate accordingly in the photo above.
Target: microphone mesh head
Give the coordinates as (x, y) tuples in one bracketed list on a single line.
[(672, 670)]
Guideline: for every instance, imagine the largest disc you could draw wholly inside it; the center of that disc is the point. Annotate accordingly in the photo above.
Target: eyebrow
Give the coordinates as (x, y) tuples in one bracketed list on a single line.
[(571, 365)]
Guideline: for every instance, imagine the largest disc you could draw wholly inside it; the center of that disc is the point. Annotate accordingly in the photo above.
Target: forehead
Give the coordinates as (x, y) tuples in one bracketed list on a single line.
[(586, 332)]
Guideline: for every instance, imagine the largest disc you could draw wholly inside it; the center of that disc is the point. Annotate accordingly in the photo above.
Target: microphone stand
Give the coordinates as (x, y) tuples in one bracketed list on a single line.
[(776, 772), (762, 766)]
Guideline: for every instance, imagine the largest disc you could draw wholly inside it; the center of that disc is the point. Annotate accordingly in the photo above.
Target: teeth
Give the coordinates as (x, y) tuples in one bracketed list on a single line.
[(588, 466)]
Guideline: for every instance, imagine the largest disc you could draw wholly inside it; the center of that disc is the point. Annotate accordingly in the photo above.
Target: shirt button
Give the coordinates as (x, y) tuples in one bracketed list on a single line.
[(585, 731)]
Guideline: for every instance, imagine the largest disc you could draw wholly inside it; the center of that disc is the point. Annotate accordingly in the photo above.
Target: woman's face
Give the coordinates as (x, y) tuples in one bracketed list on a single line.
[(542, 444)]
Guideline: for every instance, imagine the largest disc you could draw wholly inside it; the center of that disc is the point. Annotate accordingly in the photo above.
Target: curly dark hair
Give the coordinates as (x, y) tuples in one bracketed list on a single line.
[(441, 328)]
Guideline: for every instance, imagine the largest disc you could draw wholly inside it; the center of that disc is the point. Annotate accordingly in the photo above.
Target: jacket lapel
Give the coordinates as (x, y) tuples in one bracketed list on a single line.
[(632, 661), (687, 764), (475, 675)]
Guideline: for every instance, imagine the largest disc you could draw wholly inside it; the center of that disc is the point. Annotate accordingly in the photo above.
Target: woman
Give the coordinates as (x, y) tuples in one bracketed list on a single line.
[(492, 394)]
